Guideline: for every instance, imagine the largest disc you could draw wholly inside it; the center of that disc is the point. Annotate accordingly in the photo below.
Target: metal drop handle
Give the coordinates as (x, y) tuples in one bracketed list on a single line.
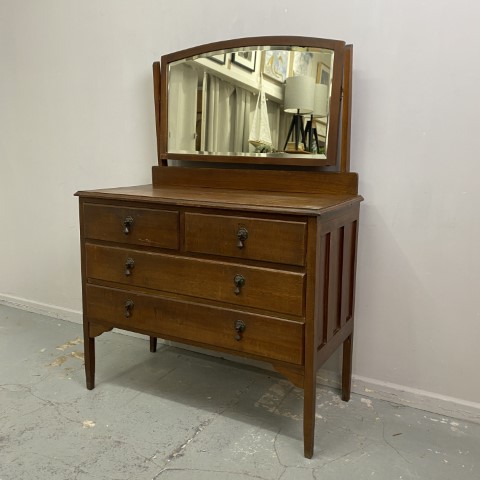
[(128, 308), (129, 264), (242, 235), (240, 327), (127, 225), (239, 282)]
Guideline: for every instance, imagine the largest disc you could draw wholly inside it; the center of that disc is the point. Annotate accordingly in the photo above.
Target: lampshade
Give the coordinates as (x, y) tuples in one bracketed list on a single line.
[(299, 94), (320, 105)]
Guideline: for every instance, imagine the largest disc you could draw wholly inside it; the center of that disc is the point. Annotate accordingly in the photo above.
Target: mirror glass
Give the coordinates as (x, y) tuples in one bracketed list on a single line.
[(255, 101)]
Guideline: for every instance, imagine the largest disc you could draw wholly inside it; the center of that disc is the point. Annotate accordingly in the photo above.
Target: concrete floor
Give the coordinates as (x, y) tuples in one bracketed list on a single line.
[(177, 415)]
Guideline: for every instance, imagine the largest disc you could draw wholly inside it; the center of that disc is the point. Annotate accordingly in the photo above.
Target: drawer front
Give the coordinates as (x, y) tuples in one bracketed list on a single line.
[(136, 226), (242, 237), (262, 335), (263, 288)]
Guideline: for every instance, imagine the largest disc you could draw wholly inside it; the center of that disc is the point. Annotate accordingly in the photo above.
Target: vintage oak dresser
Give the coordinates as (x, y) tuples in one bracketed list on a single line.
[(246, 252)]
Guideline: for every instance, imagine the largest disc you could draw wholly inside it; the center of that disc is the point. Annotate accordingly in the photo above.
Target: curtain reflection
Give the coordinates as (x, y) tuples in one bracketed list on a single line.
[(224, 111), (228, 114), (226, 117), (182, 108)]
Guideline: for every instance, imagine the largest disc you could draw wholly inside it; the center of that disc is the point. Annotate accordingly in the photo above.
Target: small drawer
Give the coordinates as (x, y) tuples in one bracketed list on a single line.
[(259, 335), (136, 226), (267, 240), (258, 287)]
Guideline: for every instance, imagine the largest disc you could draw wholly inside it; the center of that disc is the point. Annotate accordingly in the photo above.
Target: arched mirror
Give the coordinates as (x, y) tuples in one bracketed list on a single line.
[(263, 100)]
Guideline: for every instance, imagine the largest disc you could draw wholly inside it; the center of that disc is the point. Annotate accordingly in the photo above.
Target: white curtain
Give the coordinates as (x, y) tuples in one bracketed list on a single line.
[(226, 116), (243, 108), (278, 120), (182, 108)]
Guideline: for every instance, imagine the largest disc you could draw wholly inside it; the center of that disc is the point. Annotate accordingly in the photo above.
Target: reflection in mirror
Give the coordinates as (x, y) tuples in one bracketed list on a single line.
[(256, 101)]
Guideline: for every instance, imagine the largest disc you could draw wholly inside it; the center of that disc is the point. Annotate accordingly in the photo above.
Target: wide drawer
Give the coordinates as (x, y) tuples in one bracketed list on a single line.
[(268, 240), (262, 335), (137, 226), (263, 288)]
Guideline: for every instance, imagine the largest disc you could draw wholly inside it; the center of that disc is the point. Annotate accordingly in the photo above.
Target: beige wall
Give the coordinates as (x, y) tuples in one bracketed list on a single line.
[(76, 112)]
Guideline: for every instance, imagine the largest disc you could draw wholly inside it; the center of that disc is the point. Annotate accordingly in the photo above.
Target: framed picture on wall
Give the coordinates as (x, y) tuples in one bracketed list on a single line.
[(245, 60), (323, 74), (303, 64), (275, 64), (220, 58)]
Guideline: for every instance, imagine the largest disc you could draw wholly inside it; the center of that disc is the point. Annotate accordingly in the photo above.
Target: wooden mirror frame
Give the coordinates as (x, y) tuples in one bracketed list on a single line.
[(337, 153)]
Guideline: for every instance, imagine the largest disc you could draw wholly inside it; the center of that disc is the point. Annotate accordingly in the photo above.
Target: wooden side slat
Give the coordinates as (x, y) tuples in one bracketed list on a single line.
[(346, 274), (353, 261), (341, 279), (324, 277), (332, 285)]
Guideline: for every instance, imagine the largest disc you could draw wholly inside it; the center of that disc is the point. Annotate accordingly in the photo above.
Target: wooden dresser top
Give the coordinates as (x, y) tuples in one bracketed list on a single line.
[(252, 200)]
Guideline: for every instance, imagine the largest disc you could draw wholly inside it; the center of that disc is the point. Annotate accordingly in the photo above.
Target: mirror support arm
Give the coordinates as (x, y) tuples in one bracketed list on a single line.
[(346, 110), (156, 100)]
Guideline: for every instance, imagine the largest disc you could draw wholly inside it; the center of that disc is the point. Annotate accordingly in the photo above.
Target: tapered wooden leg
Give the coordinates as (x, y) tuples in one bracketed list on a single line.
[(153, 344), (347, 368), (90, 362), (309, 408)]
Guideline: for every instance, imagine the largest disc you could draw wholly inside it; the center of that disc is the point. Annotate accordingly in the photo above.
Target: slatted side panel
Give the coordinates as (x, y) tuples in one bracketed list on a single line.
[(337, 256)]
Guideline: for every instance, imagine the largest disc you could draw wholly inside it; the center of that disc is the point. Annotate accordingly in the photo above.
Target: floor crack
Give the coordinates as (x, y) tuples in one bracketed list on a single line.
[(242, 474), (180, 450), (391, 446), (276, 450), (338, 458)]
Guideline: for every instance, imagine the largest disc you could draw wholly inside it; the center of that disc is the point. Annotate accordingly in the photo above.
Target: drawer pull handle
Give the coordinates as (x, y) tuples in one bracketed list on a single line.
[(242, 235), (127, 225), (128, 308), (129, 264), (239, 282), (239, 328)]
